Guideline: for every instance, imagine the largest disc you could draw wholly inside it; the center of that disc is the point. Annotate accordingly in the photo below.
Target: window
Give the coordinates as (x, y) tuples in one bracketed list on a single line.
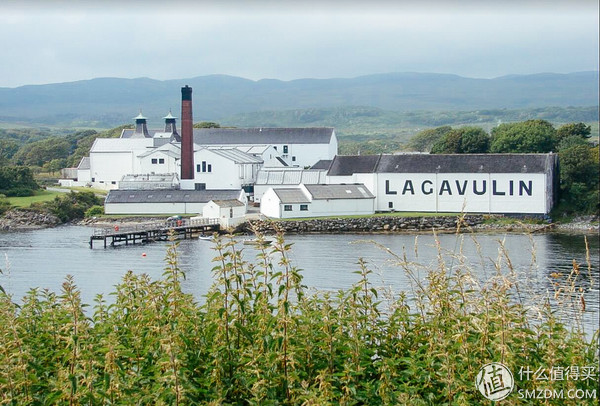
[(114, 182), (203, 166), (154, 160), (161, 160), (390, 205), (198, 168), (209, 168), (285, 149), (293, 159), (287, 207), (93, 179), (304, 207)]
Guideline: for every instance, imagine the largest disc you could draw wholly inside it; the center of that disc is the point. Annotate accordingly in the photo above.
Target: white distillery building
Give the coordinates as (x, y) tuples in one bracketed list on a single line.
[(141, 151), (301, 147), (269, 178), (474, 183), (229, 212), (317, 201), (166, 201)]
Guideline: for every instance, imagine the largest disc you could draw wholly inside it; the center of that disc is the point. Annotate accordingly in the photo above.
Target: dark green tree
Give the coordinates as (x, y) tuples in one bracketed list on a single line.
[(8, 148), (579, 178), (17, 181), (424, 140), (532, 136), (465, 140), (579, 130), (40, 152)]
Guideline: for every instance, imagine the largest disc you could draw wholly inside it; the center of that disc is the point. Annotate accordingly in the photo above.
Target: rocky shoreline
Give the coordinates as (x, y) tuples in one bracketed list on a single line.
[(15, 220)]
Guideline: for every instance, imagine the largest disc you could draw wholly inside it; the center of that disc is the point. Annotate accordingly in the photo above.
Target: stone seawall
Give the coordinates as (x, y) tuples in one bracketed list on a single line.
[(365, 224)]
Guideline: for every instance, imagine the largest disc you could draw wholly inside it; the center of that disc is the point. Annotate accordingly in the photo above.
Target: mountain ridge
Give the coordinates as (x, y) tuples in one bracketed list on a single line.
[(110, 101)]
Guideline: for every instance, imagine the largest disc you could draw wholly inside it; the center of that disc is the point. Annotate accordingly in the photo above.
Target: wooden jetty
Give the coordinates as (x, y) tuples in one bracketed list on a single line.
[(158, 231)]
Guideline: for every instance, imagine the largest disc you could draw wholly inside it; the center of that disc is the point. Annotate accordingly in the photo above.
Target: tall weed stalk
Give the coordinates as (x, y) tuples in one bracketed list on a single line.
[(260, 337)]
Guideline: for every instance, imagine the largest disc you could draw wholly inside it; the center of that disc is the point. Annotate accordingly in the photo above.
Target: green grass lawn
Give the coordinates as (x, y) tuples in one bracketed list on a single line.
[(40, 196)]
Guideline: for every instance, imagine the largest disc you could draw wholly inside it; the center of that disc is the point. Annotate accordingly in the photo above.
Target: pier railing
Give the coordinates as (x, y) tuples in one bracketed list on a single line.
[(157, 225)]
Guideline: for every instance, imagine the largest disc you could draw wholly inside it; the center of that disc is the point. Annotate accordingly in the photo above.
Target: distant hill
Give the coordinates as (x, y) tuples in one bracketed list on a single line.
[(107, 102)]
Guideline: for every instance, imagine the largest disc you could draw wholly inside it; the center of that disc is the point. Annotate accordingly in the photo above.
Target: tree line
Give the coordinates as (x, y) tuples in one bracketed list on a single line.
[(578, 157)]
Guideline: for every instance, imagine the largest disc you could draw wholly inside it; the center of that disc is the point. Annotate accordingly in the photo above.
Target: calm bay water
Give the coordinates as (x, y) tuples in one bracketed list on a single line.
[(43, 258)]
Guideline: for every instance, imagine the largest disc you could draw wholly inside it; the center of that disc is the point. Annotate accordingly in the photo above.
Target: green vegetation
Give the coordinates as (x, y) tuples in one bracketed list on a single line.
[(532, 136), (94, 211), (17, 181), (71, 206), (262, 338), (464, 140), (39, 196)]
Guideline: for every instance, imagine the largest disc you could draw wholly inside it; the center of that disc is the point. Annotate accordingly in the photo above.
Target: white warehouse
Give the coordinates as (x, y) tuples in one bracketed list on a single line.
[(474, 183), (317, 201)]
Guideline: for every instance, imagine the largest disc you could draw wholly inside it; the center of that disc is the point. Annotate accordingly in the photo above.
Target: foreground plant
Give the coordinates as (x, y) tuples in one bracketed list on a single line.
[(261, 338)]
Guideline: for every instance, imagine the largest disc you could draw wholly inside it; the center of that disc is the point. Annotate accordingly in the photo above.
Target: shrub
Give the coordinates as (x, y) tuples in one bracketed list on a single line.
[(94, 211), (260, 338), (72, 205)]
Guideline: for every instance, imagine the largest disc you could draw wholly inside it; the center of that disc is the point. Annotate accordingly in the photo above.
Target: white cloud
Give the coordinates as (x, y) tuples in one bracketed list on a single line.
[(264, 40)]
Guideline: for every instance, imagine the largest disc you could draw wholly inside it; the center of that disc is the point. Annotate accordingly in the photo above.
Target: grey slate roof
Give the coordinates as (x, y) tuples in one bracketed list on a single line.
[(228, 203), (170, 196), (323, 164), (84, 163), (291, 195), (322, 192), (346, 165), (432, 163), (240, 136)]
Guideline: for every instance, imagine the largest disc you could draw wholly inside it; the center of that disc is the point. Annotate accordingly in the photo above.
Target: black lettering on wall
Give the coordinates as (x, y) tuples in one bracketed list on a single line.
[(430, 190), (527, 188), (387, 189), (461, 191), (495, 191), (445, 188), (479, 192), (408, 187)]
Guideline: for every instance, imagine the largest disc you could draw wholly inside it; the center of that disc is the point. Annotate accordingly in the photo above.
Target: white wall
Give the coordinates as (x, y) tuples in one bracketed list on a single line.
[(306, 154), (454, 192), (107, 168), (146, 166), (224, 173), (341, 207), (153, 208), (270, 204), (84, 175)]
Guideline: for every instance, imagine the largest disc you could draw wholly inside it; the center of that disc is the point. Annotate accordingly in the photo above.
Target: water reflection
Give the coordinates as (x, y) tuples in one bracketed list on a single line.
[(43, 258)]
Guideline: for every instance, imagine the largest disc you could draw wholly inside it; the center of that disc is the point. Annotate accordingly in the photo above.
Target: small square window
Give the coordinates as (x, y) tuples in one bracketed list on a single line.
[(285, 149), (293, 159), (287, 207), (390, 205), (304, 207), (154, 160), (209, 168), (161, 160), (114, 182)]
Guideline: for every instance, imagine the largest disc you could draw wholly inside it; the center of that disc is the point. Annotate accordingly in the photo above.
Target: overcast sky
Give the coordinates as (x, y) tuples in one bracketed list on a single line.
[(54, 41)]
